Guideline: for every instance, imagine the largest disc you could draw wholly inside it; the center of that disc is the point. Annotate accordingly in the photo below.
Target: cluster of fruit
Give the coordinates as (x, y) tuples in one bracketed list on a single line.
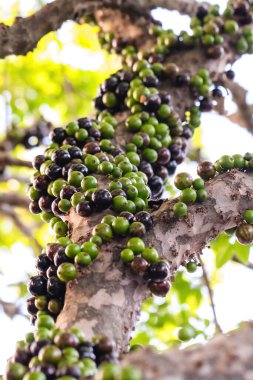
[(209, 29), (51, 353)]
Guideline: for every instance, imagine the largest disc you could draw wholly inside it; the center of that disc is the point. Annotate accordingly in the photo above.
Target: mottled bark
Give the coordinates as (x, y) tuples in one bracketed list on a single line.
[(106, 298), (226, 357)]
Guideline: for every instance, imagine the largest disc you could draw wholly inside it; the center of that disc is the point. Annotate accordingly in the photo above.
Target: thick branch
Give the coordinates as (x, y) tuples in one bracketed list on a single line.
[(25, 33), (224, 358), (109, 296)]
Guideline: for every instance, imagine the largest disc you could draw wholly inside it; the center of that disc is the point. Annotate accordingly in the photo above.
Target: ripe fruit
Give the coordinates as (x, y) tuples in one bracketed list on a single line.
[(206, 170), (159, 289), (158, 272)]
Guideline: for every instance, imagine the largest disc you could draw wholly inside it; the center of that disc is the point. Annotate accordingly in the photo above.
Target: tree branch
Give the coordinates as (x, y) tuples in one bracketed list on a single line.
[(10, 309), (14, 199), (7, 160), (210, 292), (25, 33), (26, 230), (113, 308), (249, 265), (244, 115), (226, 357)]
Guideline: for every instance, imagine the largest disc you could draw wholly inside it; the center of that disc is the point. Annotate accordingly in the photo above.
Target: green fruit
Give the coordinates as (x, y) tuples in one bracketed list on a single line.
[(120, 225), (183, 181), (198, 184), (130, 373), (227, 162), (103, 230), (188, 196), (110, 100), (248, 216), (35, 375), (134, 123), (231, 27), (76, 199), (71, 128), (66, 272), (50, 354), (72, 250), (180, 209), (15, 371), (119, 203), (202, 195), (60, 228), (186, 333), (83, 259), (91, 249), (136, 245), (127, 255), (150, 254), (64, 205), (191, 266), (92, 163), (164, 111), (45, 321), (75, 178), (239, 161), (88, 182)]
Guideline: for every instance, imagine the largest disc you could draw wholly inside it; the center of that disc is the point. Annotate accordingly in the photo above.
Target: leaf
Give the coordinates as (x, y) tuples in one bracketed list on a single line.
[(242, 252), (222, 249), (225, 250)]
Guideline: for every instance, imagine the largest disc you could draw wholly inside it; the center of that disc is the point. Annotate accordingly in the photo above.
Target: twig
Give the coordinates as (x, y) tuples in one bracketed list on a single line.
[(10, 309), (5, 177), (14, 199), (8, 211), (7, 160), (210, 291), (249, 265), (244, 115)]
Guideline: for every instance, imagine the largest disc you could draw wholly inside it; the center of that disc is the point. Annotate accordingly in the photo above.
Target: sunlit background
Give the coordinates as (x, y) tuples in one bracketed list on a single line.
[(57, 82)]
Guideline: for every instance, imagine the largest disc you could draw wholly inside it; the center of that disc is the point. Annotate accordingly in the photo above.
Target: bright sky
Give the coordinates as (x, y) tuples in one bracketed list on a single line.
[(220, 136)]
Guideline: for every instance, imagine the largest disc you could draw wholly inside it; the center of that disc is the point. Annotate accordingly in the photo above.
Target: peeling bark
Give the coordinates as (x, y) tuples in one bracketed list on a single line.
[(106, 298), (226, 357)]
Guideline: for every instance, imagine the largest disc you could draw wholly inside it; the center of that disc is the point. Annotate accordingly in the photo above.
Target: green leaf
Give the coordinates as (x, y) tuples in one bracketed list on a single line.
[(242, 252), (222, 249)]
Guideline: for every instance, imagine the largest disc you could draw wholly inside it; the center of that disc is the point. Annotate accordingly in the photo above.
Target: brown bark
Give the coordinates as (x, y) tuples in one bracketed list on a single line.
[(106, 298), (226, 357)]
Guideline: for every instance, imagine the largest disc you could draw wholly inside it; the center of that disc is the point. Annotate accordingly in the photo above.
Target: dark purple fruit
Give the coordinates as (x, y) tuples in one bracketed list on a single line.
[(37, 286), (159, 289), (42, 263), (102, 199), (55, 287), (206, 170), (158, 272)]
